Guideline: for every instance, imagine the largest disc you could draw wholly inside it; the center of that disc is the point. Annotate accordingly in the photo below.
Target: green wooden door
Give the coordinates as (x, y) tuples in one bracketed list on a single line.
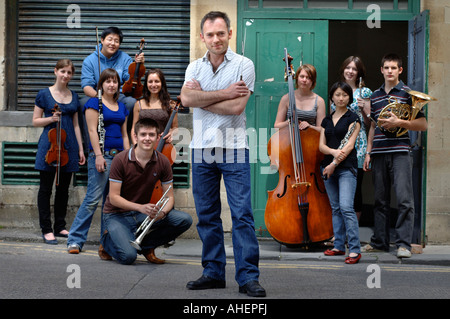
[(265, 40)]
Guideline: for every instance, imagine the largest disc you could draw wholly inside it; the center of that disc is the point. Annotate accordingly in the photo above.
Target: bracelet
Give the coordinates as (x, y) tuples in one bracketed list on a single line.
[(334, 163), (367, 153)]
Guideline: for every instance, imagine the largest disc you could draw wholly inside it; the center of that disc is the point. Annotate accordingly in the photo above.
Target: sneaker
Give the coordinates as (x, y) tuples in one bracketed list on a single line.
[(73, 249), (402, 252), (369, 249)]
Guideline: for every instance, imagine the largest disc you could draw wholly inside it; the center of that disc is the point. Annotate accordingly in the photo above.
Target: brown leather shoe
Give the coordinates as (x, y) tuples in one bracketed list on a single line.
[(103, 254), (150, 256)]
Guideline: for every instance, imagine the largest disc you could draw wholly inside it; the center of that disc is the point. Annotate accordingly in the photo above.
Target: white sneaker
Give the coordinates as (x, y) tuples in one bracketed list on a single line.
[(73, 249), (402, 252)]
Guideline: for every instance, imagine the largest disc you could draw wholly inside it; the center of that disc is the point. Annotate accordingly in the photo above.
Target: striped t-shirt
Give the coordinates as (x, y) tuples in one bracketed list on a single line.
[(378, 100), (214, 130)]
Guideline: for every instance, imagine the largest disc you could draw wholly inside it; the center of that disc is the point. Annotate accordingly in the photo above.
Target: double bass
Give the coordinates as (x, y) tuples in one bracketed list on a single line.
[(133, 87), (298, 211), (166, 149)]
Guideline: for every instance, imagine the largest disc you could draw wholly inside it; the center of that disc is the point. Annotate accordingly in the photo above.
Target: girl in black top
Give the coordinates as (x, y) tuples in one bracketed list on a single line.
[(337, 142)]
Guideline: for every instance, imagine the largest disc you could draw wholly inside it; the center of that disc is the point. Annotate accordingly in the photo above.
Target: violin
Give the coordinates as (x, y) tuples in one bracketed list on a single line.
[(133, 87), (166, 149), (298, 210), (57, 155)]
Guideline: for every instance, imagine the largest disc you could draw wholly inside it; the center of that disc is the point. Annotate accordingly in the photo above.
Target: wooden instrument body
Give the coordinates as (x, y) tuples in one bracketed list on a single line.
[(282, 216), (168, 150)]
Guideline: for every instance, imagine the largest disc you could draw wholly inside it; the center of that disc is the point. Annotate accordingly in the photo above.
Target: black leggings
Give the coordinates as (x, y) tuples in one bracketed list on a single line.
[(47, 180)]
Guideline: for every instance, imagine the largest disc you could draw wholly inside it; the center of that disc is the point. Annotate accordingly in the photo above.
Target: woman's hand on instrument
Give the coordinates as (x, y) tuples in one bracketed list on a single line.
[(56, 116), (168, 138), (339, 155), (303, 125), (100, 163), (362, 103)]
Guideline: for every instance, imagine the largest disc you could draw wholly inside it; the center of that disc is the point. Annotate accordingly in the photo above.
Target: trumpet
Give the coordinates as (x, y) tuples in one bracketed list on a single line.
[(144, 228)]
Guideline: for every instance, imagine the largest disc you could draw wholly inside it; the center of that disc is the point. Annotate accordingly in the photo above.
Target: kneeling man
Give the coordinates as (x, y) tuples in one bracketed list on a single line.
[(132, 178)]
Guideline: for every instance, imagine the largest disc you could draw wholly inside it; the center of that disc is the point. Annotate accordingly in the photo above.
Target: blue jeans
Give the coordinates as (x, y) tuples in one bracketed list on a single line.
[(122, 226), (393, 169), (341, 187), (208, 166), (97, 189)]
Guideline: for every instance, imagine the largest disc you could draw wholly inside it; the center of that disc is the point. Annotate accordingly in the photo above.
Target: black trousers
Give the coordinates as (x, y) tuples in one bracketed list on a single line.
[(47, 179)]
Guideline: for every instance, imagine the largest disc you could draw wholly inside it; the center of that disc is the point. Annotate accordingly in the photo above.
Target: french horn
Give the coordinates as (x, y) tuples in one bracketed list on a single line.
[(403, 111)]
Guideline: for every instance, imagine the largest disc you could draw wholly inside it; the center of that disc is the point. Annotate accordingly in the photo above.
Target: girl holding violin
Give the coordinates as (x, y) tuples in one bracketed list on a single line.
[(339, 168), (116, 139), (310, 106), (70, 152), (155, 104)]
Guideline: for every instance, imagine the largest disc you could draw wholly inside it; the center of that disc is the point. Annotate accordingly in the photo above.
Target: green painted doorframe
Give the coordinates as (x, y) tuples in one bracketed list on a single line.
[(246, 14)]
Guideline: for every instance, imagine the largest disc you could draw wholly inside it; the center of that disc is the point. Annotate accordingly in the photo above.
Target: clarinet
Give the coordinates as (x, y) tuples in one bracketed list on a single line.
[(347, 136), (101, 127)]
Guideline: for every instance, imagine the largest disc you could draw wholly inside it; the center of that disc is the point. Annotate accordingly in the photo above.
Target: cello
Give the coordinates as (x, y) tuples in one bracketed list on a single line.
[(57, 155), (133, 87), (166, 149), (298, 210)]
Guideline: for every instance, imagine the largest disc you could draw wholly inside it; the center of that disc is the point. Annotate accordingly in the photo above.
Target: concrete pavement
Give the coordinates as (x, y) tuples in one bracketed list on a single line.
[(438, 255)]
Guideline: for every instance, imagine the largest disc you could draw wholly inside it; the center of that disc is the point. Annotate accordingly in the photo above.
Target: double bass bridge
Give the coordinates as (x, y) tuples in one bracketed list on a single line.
[(302, 187)]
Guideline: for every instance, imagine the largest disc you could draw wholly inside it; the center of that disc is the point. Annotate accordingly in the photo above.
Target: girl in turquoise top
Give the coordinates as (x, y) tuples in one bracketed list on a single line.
[(353, 73)]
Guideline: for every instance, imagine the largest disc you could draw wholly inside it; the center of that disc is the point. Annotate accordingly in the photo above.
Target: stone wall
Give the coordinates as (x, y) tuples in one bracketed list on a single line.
[(438, 137)]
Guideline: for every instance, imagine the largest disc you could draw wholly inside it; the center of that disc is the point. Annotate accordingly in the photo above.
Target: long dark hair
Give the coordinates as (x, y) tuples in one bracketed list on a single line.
[(359, 66), (164, 95)]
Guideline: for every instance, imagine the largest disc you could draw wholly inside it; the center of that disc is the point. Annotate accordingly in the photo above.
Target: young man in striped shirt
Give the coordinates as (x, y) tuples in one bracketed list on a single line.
[(391, 161)]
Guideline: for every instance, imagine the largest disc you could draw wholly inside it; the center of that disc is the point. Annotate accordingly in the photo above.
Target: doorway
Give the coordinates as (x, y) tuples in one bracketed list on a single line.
[(307, 42), (348, 38)]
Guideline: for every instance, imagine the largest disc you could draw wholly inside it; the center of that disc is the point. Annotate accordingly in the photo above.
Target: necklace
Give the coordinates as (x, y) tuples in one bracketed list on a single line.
[(64, 96)]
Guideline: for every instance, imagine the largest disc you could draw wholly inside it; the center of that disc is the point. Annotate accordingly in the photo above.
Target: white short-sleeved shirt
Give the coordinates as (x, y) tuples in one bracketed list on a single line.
[(211, 129)]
